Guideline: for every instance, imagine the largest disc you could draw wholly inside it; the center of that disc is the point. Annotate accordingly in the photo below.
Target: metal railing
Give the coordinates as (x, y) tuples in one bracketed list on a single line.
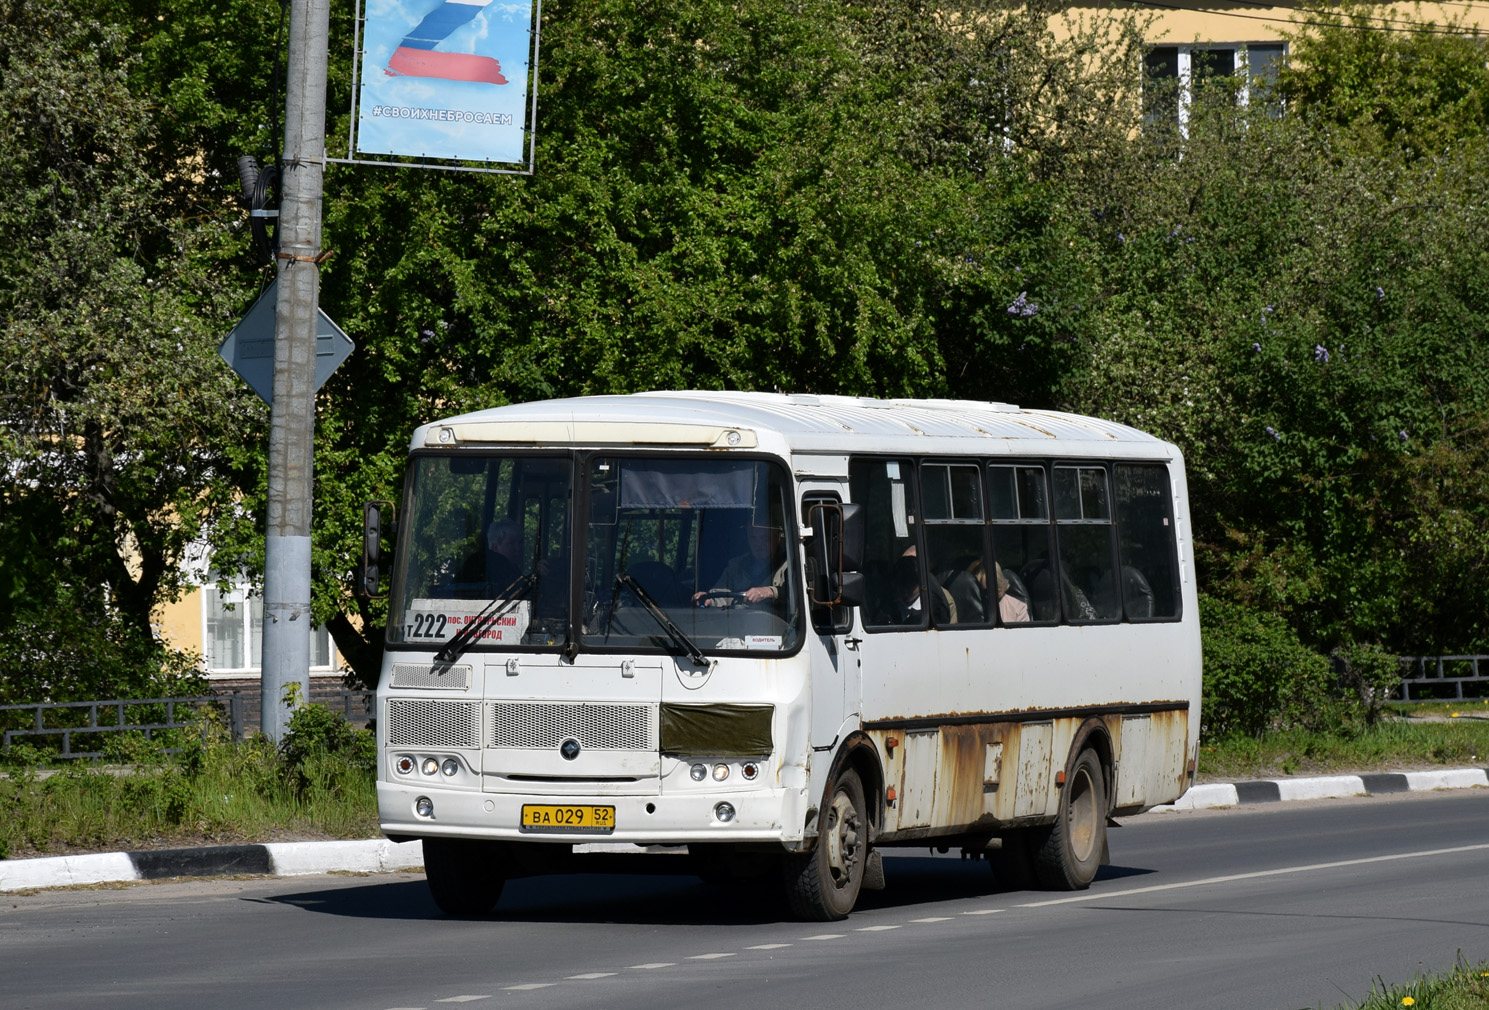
[(80, 726), (1445, 678)]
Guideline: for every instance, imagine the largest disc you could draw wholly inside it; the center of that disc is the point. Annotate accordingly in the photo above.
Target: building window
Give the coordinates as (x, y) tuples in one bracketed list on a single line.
[(1174, 75), (233, 631)]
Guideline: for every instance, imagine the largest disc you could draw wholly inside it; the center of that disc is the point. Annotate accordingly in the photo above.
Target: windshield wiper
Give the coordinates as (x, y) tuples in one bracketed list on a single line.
[(673, 631), (489, 615)]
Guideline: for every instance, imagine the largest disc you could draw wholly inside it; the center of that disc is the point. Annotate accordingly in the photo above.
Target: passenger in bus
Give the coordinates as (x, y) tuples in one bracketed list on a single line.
[(758, 574), (1011, 609), (906, 604)]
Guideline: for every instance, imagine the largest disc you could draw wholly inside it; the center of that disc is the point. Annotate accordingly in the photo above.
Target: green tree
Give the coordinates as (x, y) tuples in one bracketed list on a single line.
[(1389, 77), (114, 408)]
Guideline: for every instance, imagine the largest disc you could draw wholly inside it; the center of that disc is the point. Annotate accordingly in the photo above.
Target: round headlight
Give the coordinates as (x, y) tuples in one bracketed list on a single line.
[(720, 772), (724, 812), (424, 806), (404, 764), (431, 765), (450, 767), (698, 772), (750, 770)]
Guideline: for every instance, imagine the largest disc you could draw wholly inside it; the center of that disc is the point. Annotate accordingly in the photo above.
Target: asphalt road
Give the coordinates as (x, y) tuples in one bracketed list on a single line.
[(1291, 905)]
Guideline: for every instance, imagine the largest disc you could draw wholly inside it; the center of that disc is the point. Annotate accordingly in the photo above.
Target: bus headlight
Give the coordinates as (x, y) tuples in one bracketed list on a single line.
[(431, 765), (698, 773), (404, 764), (750, 771), (720, 772), (450, 767)]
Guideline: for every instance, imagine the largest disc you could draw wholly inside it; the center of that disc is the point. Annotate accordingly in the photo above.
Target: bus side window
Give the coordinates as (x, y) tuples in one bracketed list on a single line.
[(951, 497), (891, 565), (1018, 503), (1083, 527), (1146, 543)]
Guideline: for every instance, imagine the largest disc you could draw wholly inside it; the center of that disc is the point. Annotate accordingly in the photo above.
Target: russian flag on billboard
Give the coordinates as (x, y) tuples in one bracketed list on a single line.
[(445, 79)]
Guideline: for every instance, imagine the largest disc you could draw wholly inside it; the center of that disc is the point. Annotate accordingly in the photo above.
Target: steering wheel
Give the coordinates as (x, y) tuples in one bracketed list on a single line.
[(717, 594)]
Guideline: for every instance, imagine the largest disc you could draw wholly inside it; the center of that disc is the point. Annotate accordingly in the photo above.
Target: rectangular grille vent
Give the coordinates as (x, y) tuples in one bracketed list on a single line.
[(437, 678), (415, 722), (542, 725)]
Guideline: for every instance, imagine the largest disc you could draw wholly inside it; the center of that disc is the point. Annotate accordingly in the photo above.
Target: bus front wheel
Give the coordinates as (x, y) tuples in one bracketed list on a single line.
[(823, 885), (465, 875), (1069, 853)]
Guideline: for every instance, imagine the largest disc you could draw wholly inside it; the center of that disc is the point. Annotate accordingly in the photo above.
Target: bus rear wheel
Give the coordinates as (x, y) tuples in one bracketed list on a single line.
[(1069, 854), (823, 885), (465, 875)]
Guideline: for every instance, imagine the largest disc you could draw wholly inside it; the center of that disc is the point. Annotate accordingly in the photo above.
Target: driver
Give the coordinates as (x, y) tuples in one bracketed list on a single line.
[(755, 574)]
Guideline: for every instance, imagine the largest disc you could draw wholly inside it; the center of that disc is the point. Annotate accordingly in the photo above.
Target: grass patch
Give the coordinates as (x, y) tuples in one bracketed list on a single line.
[(318, 784), (1394, 744), (1466, 987)]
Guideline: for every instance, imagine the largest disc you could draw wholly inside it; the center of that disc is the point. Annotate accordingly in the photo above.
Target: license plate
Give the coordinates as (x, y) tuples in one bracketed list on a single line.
[(575, 817)]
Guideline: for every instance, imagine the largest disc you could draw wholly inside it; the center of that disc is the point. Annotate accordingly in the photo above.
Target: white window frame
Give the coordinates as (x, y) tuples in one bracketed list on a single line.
[(1242, 63), (240, 597)]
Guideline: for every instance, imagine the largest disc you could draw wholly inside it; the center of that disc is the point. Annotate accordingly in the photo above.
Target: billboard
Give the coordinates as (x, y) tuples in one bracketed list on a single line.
[(446, 79)]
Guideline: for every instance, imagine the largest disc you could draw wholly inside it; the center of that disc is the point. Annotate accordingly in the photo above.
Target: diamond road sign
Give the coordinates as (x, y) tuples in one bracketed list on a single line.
[(249, 349)]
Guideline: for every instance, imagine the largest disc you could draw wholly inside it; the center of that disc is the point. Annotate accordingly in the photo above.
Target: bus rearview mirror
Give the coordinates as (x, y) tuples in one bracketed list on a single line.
[(368, 574)]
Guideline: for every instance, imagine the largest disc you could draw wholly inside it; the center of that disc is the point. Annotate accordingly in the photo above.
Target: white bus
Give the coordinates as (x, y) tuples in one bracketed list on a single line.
[(786, 632)]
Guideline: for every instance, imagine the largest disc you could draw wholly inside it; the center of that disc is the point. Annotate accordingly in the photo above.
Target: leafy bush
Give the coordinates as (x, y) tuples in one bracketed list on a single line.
[(320, 748), (1257, 674)]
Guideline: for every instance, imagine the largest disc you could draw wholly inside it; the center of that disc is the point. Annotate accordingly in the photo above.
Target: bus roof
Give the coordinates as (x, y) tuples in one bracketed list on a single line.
[(792, 423)]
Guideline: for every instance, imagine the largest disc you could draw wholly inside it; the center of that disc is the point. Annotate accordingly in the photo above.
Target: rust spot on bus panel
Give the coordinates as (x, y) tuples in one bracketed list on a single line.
[(997, 774)]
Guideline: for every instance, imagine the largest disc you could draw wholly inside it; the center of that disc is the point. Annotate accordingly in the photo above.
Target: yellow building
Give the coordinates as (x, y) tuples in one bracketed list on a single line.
[(227, 630)]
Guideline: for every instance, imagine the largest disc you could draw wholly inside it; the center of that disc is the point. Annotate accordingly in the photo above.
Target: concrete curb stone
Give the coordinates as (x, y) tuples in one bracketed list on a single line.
[(378, 855)]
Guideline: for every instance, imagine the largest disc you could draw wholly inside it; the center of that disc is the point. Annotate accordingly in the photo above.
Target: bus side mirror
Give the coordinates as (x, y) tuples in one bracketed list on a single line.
[(837, 549), (368, 574)]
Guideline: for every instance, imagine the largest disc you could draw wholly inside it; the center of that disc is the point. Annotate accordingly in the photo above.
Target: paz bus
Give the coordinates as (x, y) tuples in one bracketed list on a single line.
[(785, 632)]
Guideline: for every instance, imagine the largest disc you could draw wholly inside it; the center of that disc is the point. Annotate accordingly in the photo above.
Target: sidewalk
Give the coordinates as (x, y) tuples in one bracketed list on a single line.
[(377, 855)]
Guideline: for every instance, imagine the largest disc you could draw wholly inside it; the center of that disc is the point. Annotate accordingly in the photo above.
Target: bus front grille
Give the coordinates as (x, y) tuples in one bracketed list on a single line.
[(436, 678), (542, 725), (416, 722)]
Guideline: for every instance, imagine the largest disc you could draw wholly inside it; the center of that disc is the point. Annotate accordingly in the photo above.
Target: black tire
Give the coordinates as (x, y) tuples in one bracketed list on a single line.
[(823, 885), (465, 875), (1070, 853)]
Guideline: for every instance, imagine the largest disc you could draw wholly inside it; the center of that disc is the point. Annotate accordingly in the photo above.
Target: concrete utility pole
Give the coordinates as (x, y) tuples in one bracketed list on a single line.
[(286, 646)]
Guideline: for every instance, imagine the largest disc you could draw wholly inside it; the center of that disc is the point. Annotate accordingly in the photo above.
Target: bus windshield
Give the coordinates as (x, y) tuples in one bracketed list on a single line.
[(681, 555), (700, 544), (486, 550)]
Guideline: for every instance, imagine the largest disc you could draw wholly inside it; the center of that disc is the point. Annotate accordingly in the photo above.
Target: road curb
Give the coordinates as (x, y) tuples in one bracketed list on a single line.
[(378, 855), (1237, 794), (279, 859)]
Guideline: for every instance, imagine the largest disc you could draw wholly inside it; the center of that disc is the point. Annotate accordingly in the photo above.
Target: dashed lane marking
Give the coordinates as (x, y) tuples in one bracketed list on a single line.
[(768, 946), (825, 936), (708, 957), (592, 974), (530, 985), (984, 911), (654, 964), (462, 999), (934, 918), (874, 929)]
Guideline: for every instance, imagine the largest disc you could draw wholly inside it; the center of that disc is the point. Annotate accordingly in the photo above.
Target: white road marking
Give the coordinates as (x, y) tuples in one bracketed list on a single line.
[(1280, 871), (984, 911), (531, 985), (768, 946), (707, 957), (655, 964), (593, 974), (934, 918), (825, 936), (874, 929), (462, 999)]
